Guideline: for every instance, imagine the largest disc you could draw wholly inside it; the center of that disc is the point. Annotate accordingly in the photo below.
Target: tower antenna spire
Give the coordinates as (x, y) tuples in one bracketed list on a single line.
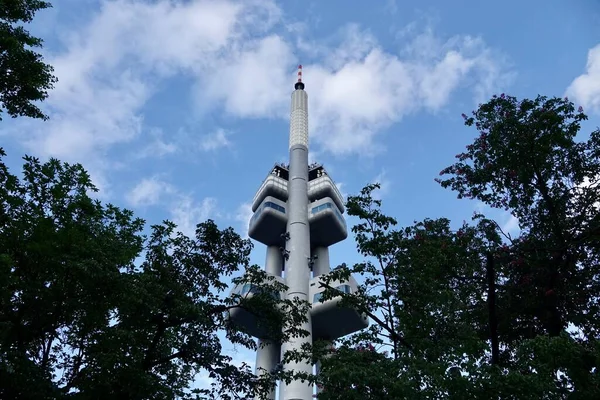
[(299, 84)]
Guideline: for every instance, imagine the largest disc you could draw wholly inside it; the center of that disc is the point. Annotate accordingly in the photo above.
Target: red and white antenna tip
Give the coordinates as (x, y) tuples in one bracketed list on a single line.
[(299, 85)]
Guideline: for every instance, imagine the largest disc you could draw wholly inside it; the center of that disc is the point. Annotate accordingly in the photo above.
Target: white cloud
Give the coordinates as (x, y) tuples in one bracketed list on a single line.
[(162, 36), (361, 89), (103, 75), (235, 60), (511, 225), (243, 215), (506, 220), (340, 187), (184, 140), (111, 66), (313, 156), (355, 43), (384, 184), (202, 380), (157, 147), (149, 191), (187, 213), (215, 140), (245, 356), (90, 117), (358, 89), (252, 81), (585, 89), (481, 207), (442, 79)]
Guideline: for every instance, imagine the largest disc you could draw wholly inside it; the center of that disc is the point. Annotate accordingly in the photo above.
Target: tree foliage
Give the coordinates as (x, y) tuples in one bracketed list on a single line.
[(81, 319), (24, 77), (474, 312), (527, 160)]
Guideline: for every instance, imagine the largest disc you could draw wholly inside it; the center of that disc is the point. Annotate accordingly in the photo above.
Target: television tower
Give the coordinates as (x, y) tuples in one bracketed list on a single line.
[(298, 215)]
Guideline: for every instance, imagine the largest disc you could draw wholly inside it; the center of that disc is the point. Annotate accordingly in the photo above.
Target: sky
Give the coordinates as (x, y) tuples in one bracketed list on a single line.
[(179, 109)]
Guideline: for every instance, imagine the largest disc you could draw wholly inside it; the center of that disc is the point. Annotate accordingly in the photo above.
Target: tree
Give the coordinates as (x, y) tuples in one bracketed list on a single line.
[(529, 160), (360, 372), (80, 319), (423, 288), (474, 312), (526, 160), (24, 77)]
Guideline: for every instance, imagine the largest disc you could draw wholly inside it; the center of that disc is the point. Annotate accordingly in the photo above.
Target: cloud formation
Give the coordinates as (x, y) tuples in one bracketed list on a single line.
[(252, 81), (363, 89), (215, 140), (157, 146), (585, 89), (240, 64), (148, 192), (111, 67), (242, 216), (357, 88), (384, 185), (185, 211)]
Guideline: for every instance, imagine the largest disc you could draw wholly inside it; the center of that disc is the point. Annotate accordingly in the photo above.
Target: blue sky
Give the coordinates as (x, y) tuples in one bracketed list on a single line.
[(180, 108)]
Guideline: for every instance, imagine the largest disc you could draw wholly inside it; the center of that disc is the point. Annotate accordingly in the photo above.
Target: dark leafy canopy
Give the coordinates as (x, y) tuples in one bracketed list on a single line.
[(424, 287), (474, 312), (24, 77), (528, 161), (78, 319)]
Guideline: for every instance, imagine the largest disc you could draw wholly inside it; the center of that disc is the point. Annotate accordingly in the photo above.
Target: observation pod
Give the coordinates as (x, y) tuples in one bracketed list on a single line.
[(330, 319), (275, 185), (250, 322), (327, 226), (269, 221), (320, 185)]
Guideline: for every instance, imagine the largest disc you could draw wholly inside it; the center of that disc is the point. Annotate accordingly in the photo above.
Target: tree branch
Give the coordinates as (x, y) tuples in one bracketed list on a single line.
[(386, 285), (178, 354), (393, 334)]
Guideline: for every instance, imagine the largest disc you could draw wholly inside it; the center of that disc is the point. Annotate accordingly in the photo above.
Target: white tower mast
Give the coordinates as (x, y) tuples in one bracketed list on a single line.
[(298, 215), (297, 271)]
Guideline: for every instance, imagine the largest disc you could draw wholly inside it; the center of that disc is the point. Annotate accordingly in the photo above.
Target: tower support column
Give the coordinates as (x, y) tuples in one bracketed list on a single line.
[(321, 265), (318, 368), (274, 261), (267, 356), (297, 272)]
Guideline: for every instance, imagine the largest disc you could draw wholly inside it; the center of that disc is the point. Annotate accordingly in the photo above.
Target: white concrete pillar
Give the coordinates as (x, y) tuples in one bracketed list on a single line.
[(318, 367), (267, 357), (297, 272), (321, 262), (274, 261)]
